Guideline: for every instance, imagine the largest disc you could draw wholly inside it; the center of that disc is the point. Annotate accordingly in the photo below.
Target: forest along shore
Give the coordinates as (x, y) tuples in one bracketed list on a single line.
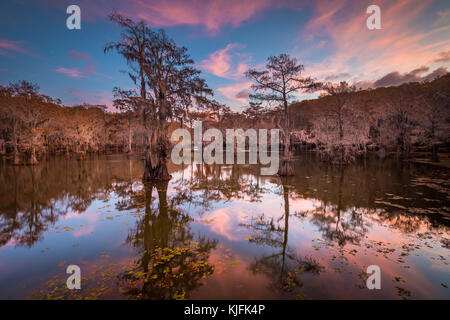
[(410, 121)]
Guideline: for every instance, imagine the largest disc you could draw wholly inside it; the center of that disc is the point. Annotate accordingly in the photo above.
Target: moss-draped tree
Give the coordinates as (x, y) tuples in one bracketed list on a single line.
[(166, 79)]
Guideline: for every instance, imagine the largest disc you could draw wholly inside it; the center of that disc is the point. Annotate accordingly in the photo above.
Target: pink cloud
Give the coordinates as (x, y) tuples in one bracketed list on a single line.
[(10, 45), (229, 64), (241, 69), (71, 72), (237, 93), (220, 63), (79, 73), (401, 45), (80, 55), (212, 15)]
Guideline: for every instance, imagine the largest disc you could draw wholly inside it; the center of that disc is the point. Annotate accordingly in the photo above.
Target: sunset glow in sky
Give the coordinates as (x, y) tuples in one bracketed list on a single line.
[(225, 38)]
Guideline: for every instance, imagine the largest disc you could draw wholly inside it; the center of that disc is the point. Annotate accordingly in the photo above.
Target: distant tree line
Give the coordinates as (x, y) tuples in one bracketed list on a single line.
[(33, 124), (346, 122), (341, 125)]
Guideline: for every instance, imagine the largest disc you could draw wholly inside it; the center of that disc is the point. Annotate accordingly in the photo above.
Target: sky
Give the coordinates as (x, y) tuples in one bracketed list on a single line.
[(225, 38)]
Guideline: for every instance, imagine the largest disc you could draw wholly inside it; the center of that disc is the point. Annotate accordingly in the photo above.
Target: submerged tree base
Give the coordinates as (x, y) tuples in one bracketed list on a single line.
[(159, 173), (286, 169), (18, 161), (434, 153)]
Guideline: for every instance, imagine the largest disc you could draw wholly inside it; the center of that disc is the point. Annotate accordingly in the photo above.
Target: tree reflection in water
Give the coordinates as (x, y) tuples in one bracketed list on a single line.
[(283, 267), (336, 226), (25, 221), (170, 263)]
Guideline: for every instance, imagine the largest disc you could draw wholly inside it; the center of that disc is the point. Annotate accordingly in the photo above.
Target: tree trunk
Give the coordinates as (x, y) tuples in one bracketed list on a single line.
[(286, 227), (2, 147), (129, 147), (17, 161), (157, 152), (33, 160), (67, 155), (157, 171), (16, 151), (81, 153), (286, 167), (434, 154), (156, 156), (130, 141)]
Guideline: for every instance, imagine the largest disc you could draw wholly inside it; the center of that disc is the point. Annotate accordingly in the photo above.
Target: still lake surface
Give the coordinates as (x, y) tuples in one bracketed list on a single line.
[(224, 231)]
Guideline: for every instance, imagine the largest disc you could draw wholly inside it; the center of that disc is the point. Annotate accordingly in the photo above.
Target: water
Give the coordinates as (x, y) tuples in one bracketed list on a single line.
[(223, 232)]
